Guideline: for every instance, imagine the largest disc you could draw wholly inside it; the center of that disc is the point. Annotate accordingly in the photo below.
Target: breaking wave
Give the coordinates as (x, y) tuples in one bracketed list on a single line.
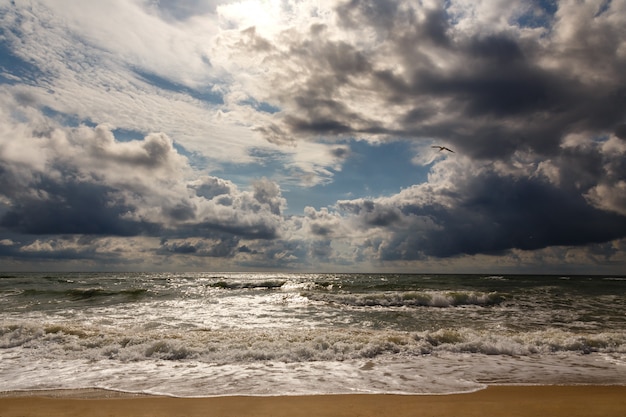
[(74, 342), (412, 299), (76, 294)]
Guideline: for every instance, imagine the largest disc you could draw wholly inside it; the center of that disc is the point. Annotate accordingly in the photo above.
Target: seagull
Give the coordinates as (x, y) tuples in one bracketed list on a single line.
[(442, 148)]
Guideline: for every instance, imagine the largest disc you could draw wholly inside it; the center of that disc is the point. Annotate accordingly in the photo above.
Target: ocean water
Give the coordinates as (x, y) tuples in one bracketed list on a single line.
[(206, 334)]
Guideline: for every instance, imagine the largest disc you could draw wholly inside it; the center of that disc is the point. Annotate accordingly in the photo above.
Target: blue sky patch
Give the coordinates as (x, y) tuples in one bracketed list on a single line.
[(261, 106), (10, 64), (70, 120), (369, 170), (539, 14), (206, 94)]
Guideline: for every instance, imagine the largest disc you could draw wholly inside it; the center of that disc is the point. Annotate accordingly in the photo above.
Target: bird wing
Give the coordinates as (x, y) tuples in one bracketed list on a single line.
[(442, 148)]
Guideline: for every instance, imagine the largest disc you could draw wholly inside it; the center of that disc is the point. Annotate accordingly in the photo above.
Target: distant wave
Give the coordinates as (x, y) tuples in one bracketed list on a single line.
[(238, 285), (412, 298), (495, 278), (83, 293), (323, 292)]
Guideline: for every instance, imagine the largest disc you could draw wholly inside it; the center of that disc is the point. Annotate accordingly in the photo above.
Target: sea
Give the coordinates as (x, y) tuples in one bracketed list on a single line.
[(266, 334)]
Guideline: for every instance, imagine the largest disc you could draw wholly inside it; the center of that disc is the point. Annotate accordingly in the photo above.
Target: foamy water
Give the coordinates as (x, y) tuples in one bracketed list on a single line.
[(270, 334)]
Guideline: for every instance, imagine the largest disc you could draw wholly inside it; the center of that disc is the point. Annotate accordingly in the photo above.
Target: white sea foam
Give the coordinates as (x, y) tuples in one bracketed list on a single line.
[(289, 334), (245, 345), (433, 374)]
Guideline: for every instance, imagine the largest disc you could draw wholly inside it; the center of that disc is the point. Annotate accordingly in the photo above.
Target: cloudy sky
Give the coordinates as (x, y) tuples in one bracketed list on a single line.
[(219, 135)]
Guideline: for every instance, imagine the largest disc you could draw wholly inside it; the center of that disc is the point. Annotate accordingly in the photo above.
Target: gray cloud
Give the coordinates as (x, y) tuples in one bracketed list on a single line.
[(83, 181), (620, 131), (322, 222), (533, 102), (71, 208), (211, 187), (492, 214), (404, 70), (224, 246), (268, 194), (520, 84)]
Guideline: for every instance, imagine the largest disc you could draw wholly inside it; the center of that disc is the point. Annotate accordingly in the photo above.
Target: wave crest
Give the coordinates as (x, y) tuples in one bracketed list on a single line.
[(323, 344), (411, 299)]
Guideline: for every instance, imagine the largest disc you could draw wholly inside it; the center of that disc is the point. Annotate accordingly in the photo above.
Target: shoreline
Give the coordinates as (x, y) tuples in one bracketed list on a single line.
[(494, 400), (105, 393)]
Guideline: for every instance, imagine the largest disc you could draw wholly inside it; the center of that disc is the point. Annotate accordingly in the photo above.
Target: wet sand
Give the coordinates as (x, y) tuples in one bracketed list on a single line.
[(501, 401)]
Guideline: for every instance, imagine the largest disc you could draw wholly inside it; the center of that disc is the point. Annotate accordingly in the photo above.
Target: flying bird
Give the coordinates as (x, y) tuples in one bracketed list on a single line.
[(442, 148)]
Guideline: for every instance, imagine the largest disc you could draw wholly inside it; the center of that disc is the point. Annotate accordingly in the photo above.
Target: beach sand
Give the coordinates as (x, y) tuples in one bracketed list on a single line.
[(501, 401)]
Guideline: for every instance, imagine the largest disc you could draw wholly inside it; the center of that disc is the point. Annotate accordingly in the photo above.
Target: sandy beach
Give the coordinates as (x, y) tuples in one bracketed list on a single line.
[(510, 401)]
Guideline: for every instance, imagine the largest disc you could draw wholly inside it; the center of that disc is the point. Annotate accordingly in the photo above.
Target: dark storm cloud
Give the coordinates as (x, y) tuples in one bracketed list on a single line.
[(494, 215), (620, 131), (181, 212), (83, 183), (334, 64), (73, 195), (499, 85), (524, 214), (532, 99), (520, 104), (72, 208), (527, 91), (371, 214), (260, 229), (541, 109), (184, 248)]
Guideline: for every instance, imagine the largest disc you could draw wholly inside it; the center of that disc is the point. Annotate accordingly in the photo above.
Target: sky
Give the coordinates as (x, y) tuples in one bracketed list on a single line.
[(283, 135)]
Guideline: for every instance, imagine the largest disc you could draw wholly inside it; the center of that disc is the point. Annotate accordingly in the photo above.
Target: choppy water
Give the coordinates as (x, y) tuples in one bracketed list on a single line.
[(269, 334)]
